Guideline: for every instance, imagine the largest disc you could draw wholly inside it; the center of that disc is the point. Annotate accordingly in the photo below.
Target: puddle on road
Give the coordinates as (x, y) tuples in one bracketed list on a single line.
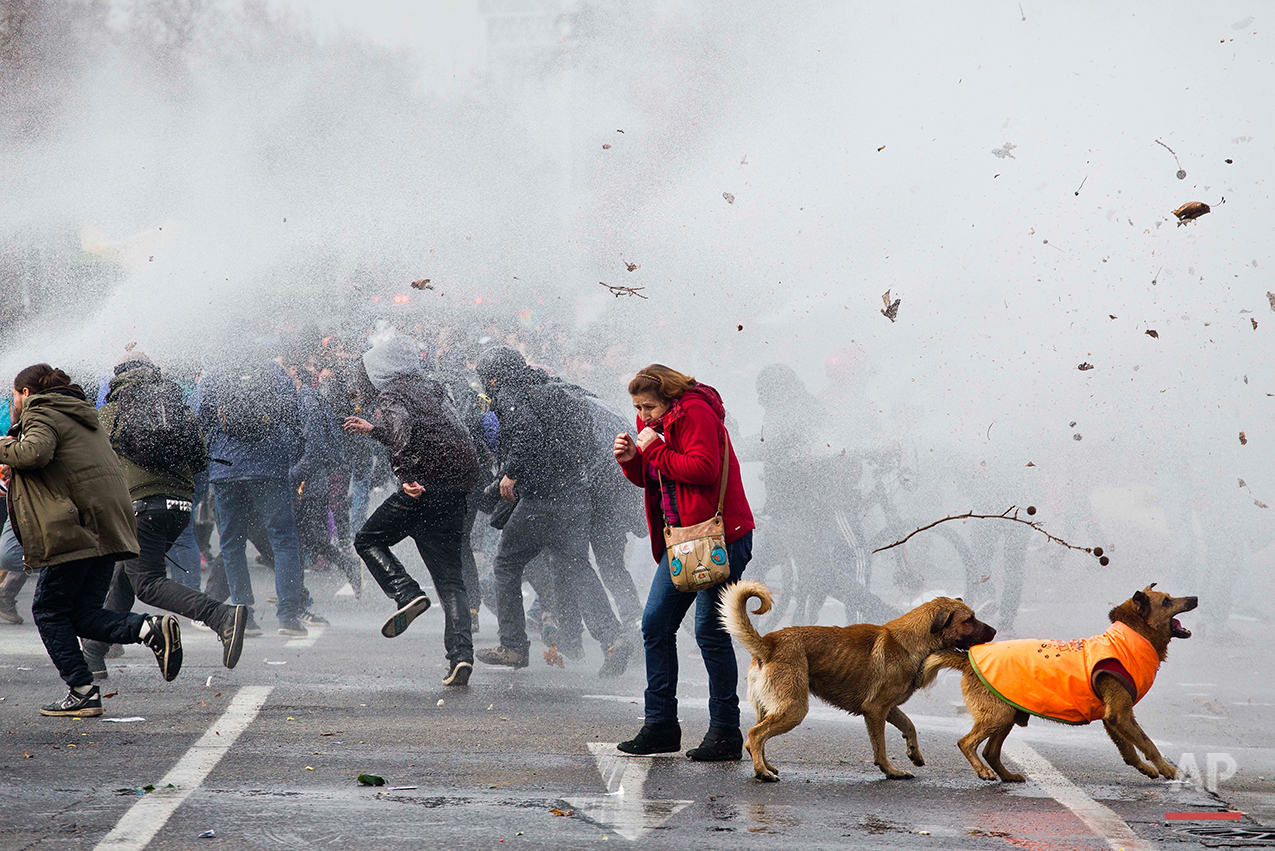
[(771, 819)]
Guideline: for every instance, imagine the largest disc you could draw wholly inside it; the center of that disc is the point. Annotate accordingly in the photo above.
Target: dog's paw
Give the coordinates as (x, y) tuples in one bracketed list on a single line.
[(897, 774), (986, 773), (1167, 771), (914, 754), (1011, 777), (1148, 770), (767, 776)]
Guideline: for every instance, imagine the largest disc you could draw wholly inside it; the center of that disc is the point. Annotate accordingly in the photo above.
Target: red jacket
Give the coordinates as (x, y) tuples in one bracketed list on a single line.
[(690, 455)]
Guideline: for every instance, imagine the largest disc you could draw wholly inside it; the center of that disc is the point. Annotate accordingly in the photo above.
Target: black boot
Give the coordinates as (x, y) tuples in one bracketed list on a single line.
[(660, 737), (721, 744)]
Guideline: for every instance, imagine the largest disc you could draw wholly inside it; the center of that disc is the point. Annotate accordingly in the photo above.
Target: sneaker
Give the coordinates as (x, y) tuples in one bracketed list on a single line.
[(232, 636), (309, 618), (292, 627), (617, 659), (660, 737), (76, 705), (721, 744), (408, 612), (505, 656), (459, 674), (165, 641), (9, 612), (252, 629)]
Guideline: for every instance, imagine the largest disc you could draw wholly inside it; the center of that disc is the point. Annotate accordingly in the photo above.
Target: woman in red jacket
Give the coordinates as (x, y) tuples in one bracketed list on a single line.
[(677, 459)]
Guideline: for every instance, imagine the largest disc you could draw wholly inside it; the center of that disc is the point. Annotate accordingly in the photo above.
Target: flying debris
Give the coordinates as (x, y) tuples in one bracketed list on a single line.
[(739, 327), (880, 149), (1191, 210), (1084, 367), (1254, 321), (891, 310), (1152, 333), (1243, 439), (730, 199), (632, 267), (606, 147), (618, 291), (422, 284), (1003, 151), (1181, 170)]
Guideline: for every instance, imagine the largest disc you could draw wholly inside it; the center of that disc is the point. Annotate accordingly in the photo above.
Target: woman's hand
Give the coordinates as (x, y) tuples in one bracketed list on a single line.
[(646, 437), (625, 449), (357, 425), (413, 489), (507, 489)]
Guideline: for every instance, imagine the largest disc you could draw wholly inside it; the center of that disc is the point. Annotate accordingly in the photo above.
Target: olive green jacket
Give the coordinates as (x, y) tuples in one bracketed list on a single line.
[(68, 498)]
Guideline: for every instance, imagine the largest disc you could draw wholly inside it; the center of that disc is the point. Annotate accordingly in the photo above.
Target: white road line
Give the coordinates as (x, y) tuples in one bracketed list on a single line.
[(306, 641), (1096, 817), (145, 818)]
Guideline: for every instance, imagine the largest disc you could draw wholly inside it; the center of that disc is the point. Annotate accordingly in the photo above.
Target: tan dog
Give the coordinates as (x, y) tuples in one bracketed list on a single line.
[(864, 669), (1073, 682)]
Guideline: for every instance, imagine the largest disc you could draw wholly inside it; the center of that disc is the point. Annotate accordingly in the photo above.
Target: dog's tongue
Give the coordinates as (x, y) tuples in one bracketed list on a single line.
[(1177, 630)]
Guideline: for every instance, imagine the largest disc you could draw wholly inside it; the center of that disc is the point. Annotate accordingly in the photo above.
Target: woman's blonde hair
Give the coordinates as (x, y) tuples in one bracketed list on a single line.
[(660, 381)]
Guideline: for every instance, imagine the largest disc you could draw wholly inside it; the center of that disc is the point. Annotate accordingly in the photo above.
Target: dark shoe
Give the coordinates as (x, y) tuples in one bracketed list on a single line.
[(293, 627), (721, 744), (459, 674), (165, 641), (76, 705), (660, 737), (116, 652), (252, 629), (407, 612), (309, 618), (505, 656), (9, 612), (617, 659), (232, 636)]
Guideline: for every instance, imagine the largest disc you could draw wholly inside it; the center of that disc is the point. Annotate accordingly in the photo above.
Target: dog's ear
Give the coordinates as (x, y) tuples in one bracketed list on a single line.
[(942, 619), (1143, 602), (1149, 587)]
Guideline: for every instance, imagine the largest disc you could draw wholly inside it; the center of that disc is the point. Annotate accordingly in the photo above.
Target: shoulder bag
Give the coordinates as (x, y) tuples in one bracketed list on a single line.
[(697, 557)]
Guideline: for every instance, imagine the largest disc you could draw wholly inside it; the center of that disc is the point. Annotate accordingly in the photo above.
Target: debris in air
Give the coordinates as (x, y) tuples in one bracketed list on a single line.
[(632, 267), (1152, 333), (1003, 151), (1190, 211), (130, 346), (1270, 296), (880, 149), (1029, 464), (371, 780), (1077, 436), (891, 310), (1010, 514), (553, 658), (1254, 321), (606, 147), (1181, 171), (422, 284), (1031, 509), (730, 199), (1085, 366), (739, 327), (1243, 439), (1082, 184), (617, 290)]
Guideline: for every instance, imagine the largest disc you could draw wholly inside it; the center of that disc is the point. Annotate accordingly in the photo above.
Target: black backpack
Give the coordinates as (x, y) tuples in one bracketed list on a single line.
[(250, 405), (155, 429)]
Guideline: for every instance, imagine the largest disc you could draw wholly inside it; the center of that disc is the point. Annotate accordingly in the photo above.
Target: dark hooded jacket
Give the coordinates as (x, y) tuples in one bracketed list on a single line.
[(546, 432), (68, 498), (417, 420), (690, 456)]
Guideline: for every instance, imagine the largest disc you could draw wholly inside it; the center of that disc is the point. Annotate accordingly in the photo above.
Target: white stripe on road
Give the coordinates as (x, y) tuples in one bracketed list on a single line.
[(306, 641), (145, 818), (1096, 817)]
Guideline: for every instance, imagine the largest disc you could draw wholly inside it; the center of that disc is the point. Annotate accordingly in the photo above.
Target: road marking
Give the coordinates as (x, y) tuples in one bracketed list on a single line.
[(307, 640), (145, 818), (1102, 821), (623, 809)]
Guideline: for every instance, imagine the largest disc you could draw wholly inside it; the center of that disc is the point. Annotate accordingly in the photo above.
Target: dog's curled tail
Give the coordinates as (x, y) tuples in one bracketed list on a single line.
[(956, 660), (733, 610)]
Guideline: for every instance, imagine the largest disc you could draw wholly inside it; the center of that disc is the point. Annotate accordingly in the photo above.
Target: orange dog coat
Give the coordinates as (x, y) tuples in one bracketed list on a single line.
[(1055, 679)]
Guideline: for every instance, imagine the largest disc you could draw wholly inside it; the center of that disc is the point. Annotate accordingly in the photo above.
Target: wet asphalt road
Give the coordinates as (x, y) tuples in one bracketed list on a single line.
[(491, 764)]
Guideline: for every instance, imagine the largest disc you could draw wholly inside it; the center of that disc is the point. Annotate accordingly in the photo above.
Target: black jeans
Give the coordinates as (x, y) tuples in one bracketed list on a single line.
[(559, 525), (435, 522), (147, 575), (68, 606)]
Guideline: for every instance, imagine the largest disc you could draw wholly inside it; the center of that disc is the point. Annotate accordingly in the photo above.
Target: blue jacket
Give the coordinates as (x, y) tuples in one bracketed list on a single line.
[(322, 447), (269, 458)]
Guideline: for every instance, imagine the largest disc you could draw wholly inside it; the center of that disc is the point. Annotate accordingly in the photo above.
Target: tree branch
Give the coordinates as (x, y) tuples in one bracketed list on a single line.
[(1010, 513)]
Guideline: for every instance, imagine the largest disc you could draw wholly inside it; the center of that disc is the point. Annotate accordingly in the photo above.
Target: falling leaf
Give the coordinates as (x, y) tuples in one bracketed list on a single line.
[(1270, 296), (553, 658), (730, 199), (1243, 439), (1260, 504), (560, 813), (891, 310), (1191, 210), (1254, 321), (422, 284), (27, 755), (1151, 333), (880, 149), (109, 696), (606, 147), (1029, 464), (1243, 484), (131, 346), (632, 267), (1085, 367), (1111, 316)]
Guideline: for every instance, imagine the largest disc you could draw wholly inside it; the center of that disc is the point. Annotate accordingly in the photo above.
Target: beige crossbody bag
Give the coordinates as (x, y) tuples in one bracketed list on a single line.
[(697, 557)]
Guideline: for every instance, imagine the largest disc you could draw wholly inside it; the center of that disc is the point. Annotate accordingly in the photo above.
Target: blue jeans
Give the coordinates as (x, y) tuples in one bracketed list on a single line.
[(237, 502), (665, 608)]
